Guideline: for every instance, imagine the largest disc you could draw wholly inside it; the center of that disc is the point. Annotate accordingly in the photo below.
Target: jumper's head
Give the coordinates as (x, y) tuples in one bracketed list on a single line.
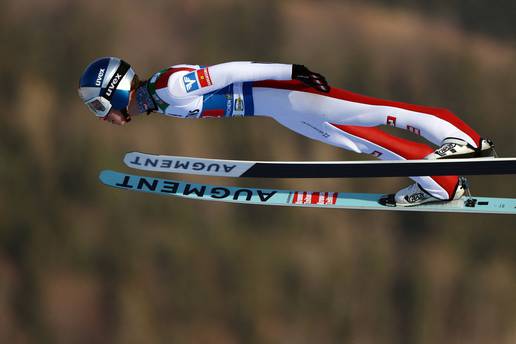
[(105, 87)]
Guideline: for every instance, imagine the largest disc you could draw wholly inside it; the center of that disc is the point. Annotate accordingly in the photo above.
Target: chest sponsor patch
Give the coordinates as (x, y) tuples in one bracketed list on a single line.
[(198, 79), (204, 77)]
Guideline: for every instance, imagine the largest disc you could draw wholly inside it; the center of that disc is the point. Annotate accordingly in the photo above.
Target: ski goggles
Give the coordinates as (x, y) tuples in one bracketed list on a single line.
[(100, 106)]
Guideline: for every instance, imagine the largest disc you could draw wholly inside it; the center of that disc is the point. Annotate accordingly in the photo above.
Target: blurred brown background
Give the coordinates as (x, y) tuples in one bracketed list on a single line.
[(81, 263)]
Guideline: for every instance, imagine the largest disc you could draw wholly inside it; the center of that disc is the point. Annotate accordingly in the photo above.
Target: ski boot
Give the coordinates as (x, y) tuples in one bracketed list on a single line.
[(414, 195), (453, 148)]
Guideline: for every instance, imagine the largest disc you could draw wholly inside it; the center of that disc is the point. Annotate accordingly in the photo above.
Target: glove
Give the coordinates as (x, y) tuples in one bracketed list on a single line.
[(312, 79)]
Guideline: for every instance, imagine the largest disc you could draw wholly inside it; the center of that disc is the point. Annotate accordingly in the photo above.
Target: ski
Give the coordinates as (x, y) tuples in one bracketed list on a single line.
[(319, 169), (295, 198)]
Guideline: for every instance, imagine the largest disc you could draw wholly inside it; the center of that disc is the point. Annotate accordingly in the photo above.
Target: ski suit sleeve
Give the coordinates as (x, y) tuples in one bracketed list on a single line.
[(212, 78)]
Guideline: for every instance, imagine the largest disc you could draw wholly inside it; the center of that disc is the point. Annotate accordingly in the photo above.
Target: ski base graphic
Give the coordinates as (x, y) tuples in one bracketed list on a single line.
[(295, 198)]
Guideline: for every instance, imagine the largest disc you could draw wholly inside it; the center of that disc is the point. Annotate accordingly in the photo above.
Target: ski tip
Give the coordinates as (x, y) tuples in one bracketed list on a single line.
[(104, 176), (127, 157), (140, 153), (130, 154), (130, 157)]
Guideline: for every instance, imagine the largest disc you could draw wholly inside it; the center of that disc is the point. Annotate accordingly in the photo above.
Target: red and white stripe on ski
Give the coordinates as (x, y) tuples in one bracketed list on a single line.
[(300, 197)]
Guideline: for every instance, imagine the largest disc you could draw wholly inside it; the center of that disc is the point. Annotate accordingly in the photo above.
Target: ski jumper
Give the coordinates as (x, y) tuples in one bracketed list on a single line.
[(340, 118)]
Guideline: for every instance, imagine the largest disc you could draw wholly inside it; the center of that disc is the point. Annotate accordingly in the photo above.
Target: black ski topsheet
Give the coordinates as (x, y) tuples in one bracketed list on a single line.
[(322, 169), (384, 169)]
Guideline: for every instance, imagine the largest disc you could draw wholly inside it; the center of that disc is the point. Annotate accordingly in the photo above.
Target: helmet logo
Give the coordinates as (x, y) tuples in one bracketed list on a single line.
[(99, 77), (113, 84)]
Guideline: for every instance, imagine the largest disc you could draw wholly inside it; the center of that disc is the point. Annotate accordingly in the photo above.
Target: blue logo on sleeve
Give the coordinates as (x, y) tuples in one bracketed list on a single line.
[(190, 82)]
